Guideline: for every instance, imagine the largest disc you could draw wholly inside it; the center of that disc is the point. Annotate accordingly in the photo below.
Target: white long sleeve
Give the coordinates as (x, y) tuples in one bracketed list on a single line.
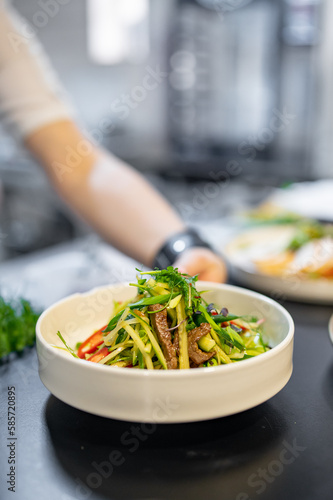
[(30, 94)]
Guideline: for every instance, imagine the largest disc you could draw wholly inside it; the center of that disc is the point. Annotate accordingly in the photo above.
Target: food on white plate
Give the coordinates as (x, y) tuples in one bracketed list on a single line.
[(309, 253)]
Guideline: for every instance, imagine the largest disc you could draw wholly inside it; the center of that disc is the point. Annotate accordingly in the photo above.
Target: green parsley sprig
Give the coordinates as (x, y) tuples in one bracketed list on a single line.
[(17, 326)]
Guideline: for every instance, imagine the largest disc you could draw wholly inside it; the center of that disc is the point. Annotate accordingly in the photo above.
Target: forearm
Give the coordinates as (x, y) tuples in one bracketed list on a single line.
[(124, 209), (107, 193)]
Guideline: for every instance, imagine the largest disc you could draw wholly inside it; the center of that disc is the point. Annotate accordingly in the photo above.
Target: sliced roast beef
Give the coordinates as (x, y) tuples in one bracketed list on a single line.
[(196, 354), (160, 324)]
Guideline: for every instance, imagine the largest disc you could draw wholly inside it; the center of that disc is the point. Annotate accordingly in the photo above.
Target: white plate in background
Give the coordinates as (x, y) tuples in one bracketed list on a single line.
[(259, 242)]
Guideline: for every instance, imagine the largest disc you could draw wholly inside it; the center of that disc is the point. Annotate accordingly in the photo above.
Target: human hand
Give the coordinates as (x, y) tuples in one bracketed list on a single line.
[(204, 262)]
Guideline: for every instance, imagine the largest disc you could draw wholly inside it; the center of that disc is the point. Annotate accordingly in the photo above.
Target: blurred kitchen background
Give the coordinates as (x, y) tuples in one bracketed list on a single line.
[(239, 91)]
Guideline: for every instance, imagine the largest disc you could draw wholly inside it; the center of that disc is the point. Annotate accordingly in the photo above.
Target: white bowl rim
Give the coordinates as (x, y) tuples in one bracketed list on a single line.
[(189, 373)]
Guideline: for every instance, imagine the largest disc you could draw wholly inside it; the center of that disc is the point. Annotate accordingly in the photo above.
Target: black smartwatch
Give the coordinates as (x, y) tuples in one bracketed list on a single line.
[(175, 246)]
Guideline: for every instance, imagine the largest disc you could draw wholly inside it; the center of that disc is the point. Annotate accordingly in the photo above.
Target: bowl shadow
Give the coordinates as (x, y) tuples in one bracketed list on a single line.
[(109, 458)]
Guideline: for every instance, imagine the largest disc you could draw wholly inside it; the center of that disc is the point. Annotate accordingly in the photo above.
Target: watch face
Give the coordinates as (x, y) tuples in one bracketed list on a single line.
[(179, 245), (175, 245)]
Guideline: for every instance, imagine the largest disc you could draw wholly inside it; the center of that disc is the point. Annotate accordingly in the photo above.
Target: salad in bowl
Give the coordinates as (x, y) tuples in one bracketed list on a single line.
[(199, 349), (169, 325)]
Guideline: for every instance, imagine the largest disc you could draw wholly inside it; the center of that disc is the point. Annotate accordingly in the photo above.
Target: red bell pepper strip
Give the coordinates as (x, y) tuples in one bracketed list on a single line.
[(90, 344), (99, 355)]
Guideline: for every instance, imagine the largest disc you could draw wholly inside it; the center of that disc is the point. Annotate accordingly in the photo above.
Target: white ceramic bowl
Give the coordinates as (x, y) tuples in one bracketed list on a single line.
[(161, 396)]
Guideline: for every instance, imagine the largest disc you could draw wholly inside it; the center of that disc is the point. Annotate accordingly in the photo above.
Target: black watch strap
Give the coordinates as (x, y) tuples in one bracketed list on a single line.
[(176, 245)]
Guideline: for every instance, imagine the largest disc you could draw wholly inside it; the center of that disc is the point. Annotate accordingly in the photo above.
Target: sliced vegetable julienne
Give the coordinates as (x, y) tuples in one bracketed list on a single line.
[(220, 353), (138, 340), (112, 355), (154, 343), (141, 360), (148, 348), (262, 342), (227, 335), (109, 339), (143, 288), (140, 344), (121, 338), (224, 358), (151, 282), (127, 344), (172, 316), (189, 301), (146, 301), (161, 288), (69, 349), (182, 333), (121, 363), (174, 302), (252, 352), (246, 322), (250, 339), (158, 299), (134, 355), (121, 360), (206, 343), (160, 284), (216, 337), (236, 338), (153, 287), (219, 318), (237, 355)]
